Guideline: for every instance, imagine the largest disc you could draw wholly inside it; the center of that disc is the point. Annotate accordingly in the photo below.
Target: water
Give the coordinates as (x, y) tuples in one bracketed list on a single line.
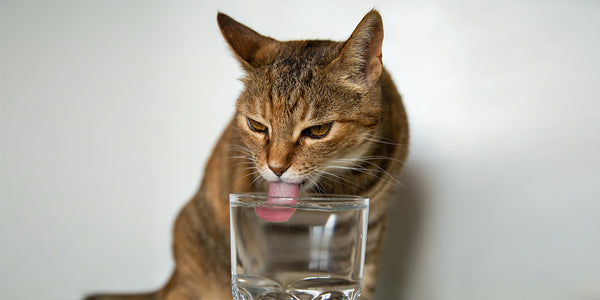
[(308, 287), (317, 254)]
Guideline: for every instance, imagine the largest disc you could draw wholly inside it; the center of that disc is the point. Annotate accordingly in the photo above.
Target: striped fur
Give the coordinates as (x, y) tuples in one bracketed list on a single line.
[(290, 86)]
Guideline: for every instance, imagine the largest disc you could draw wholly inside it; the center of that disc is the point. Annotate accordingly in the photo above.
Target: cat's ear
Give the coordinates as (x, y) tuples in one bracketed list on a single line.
[(360, 57), (251, 48)]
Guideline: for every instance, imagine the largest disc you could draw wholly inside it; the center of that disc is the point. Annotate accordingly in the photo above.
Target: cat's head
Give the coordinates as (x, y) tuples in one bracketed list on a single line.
[(308, 107)]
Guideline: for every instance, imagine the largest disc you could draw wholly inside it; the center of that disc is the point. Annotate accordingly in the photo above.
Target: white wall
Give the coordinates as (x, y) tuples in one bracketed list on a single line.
[(109, 110)]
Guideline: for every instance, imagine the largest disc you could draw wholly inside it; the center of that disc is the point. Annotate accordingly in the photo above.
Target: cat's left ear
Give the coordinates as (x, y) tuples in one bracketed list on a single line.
[(360, 57), (251, 48)]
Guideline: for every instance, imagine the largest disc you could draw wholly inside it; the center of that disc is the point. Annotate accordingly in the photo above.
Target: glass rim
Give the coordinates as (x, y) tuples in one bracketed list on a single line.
[(303, 201), (304, 197)]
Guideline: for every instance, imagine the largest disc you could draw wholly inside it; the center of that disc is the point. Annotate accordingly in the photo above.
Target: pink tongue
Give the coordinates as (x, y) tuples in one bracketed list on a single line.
[(279, 214)]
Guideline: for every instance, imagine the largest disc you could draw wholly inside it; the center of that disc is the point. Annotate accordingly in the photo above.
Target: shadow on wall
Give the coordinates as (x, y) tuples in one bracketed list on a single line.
[(403, 230)]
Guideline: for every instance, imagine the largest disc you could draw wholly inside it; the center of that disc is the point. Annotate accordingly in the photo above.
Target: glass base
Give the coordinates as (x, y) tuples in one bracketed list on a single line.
[(309, 288)]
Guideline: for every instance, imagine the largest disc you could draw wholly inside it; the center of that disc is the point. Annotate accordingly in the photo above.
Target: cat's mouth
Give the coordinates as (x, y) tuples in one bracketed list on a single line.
[(303, 186), (291, 176)]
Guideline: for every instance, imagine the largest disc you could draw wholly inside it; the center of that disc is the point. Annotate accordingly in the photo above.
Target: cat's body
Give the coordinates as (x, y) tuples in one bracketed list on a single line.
[(322, 114)]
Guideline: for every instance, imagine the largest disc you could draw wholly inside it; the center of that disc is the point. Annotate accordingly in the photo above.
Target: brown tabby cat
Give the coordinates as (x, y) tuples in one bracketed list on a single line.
[(321, 113)]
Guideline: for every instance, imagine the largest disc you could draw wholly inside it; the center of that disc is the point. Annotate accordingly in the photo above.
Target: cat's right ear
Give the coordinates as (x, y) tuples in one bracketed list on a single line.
[(360, 57), (251, 48)]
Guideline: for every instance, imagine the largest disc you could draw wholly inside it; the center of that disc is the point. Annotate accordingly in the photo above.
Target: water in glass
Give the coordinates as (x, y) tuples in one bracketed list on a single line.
[(317, 254)]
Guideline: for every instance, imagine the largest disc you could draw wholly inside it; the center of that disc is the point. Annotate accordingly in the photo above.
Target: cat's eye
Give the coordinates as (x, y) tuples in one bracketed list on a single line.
[(256, 126), (317, 132)]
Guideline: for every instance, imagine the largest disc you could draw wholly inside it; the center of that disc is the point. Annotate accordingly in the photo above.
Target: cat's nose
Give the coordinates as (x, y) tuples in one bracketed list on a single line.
[(278, 170)]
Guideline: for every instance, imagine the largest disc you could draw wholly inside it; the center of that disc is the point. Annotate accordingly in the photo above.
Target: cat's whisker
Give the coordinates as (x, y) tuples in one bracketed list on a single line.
[(397, 183), (246, 157), (314, 180), (249, 174), (376, 140), (310, 183), (362, 169), (243, 156), (255, 179), (250, 168), (333, 176), (242, 153), (240, 157), (357, 169), (250, 164), (366, 158), (374, 157), (240, 149), (332, 179), (245, 163), (347, 165)]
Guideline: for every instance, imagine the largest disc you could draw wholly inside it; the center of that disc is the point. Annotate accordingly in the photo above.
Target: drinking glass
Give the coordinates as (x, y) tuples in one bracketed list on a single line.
[(316, 254)]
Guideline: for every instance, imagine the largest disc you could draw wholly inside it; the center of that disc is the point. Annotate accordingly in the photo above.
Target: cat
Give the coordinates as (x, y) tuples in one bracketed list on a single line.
[(326, 113)]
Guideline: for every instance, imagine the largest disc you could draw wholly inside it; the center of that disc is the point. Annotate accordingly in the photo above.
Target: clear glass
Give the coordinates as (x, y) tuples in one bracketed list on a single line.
[(317, 254)]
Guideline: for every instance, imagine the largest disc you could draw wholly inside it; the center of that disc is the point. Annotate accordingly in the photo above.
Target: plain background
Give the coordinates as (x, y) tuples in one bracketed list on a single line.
[(109, 110)]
